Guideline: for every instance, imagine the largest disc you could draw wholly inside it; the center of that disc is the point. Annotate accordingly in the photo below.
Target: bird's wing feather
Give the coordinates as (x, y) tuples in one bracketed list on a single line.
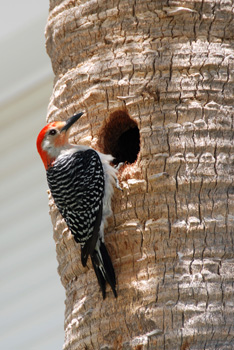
[(76, 181)]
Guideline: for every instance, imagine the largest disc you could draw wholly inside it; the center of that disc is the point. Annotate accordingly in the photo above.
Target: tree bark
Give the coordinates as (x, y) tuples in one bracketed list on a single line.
[(166, 68)]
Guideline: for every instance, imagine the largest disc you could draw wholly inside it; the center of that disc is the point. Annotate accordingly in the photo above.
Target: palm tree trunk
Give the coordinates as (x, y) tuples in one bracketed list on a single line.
[(164, 73)]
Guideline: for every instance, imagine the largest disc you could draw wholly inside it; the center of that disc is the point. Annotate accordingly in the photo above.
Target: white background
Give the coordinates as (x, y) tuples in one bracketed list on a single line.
[(31, 295)]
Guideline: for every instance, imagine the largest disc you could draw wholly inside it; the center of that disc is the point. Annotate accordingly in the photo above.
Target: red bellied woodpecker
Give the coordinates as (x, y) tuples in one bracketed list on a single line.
[(81, 182)]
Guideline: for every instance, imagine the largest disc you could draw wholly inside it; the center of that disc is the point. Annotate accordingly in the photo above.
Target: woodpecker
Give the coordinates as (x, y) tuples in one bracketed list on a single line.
[(81, 182)]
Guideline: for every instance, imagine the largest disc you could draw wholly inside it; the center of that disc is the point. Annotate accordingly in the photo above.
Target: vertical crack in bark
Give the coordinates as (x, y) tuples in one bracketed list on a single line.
[(157, 291), (169, 221), (134, 13), (168, 144), (176, 177), (192, 260), (205, 243), (208, 296), (199, 201), (175, 201)]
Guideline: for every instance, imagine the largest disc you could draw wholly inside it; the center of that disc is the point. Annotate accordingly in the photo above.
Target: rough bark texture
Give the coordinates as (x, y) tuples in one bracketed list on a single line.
[(170, 70)]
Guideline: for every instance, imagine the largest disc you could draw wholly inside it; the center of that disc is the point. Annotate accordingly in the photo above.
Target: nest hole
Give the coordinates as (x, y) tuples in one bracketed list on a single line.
[(120, 137)]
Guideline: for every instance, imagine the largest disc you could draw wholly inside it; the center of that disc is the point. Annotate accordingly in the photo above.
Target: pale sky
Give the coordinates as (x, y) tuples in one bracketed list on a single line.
[(23, 57), (16, 14)]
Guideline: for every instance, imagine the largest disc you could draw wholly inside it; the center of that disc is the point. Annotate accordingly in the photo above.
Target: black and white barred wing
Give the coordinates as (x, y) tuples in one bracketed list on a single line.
[(76, 182)]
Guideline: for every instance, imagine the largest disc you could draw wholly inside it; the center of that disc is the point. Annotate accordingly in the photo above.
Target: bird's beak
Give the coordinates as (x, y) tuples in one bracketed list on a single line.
[(71, 121)]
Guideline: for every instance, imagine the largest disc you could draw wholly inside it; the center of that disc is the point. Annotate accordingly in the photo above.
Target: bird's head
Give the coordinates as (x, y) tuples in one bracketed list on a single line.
[(53, 138)]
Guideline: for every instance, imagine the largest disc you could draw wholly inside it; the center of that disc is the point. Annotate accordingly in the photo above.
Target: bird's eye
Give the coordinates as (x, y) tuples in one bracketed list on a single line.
[(52, 132)]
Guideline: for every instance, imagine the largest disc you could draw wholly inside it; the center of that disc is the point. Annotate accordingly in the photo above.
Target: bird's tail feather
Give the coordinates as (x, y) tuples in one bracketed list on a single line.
[(103, 268)]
